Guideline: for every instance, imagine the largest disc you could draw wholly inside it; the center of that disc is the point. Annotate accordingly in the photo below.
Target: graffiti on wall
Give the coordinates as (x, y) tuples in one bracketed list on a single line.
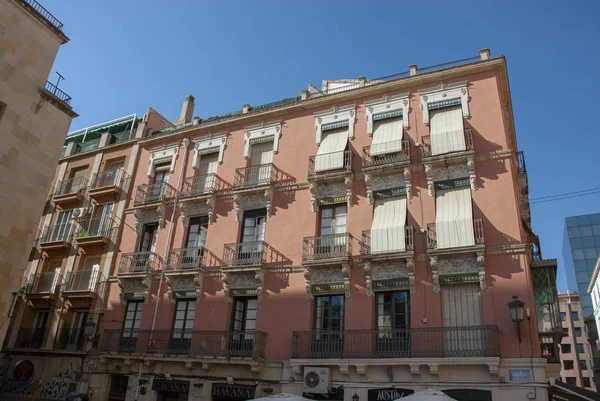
[(57, 387), (16, 387)]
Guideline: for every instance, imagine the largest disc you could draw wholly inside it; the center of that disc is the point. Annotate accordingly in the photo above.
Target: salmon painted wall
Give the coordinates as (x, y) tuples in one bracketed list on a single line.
[(284, 307)]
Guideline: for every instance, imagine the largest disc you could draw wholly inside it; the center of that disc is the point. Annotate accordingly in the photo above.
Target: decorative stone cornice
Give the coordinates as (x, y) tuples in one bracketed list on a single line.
[(335, 114), (195, 207), (333, 275), (262, 130), (191, 282), (246, 201), (160, 153), (217, 141), (444, 92), (150, 215), (386, 104), (140, 284)]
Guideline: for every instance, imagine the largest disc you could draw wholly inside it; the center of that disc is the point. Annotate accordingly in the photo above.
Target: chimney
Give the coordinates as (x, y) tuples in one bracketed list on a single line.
[(187, 110)]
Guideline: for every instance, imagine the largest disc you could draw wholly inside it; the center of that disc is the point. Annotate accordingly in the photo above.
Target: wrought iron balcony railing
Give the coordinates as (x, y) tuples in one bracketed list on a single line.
[(430, 342), (62, 96), (87, 146), (43, 283), (429, 151), (185, 259), (323, 247), (522, 166), (70, 186), (83, 281), (38, 8), (56, 233), (68, 339), (477, 231), (263, 174), (409, 241), (325, 158), (96, 227), (247, 344), (242, 254), (550, 344), (388, 158), (139, 263), (201, 185), (31, 338), (110, 178), (149, 193)]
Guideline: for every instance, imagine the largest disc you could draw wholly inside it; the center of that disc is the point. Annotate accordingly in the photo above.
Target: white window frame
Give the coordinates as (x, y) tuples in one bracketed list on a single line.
[(158, 155), (445, 92), (335, 114), (386, 104), (262, 130), (208, 142)]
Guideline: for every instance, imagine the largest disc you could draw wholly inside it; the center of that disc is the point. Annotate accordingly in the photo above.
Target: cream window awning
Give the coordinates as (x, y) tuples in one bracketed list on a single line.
[(330, 155), (447, 133), (261, 153), (387, 137), (388, 228), (454, 217)]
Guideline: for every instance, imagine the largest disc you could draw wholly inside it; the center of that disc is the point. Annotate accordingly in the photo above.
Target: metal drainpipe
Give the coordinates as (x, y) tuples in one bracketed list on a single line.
[(186, 143)]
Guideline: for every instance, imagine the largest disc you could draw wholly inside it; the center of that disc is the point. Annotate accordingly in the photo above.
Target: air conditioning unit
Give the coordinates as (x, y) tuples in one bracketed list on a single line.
[(316, 380), (79, 212)]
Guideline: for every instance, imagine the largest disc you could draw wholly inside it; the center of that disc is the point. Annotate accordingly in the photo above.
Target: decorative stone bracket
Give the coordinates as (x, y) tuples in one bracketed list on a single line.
[(182, 282), (130, 285), (249, 282), (200, 206), (374, 181), (144, 216), (434, 172), (327, 276), (318, 192), (242, 202), (436, 273), (368, 273)]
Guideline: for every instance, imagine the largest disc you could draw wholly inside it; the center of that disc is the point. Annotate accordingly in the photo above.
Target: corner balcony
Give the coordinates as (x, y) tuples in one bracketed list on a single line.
[(95, 232), (185, 269), (253, 187), (69, 192), (82, 287), (108, 185), (330, 176), (43, 288), (198, 195), (206, 347), (135, 274), (388, 169), (56, 237)]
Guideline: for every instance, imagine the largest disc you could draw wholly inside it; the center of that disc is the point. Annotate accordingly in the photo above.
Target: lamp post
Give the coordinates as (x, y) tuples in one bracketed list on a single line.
[(516, 313), (355, 397)]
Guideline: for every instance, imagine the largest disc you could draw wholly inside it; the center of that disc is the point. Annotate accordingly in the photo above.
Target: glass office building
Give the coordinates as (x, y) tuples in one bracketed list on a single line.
[(581, 246)]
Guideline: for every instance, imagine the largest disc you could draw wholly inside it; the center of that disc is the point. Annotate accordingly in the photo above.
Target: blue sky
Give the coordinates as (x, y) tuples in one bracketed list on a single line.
[(127, 55)]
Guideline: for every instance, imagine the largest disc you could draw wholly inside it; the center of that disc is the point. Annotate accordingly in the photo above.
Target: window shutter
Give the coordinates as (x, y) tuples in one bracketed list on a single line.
[(388, 229), (447, 131), (454, 218), (387, 137), (330, 155)]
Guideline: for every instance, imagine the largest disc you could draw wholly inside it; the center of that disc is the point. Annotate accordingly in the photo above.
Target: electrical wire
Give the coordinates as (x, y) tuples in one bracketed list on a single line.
[(566, 195)]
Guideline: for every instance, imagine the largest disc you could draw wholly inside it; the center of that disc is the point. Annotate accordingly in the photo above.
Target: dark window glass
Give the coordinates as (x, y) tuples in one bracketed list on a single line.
[(567, 365), (586, 382), (565, 348), (329, 312), (583, 365), (580, 349), (577, 331), (565, 332), (148, 237), (571, 380), (563, 316), (574, 316)]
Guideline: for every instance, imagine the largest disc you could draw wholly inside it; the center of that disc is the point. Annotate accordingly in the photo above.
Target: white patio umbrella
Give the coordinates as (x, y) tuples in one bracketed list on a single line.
[(427, 395), (282, 397)]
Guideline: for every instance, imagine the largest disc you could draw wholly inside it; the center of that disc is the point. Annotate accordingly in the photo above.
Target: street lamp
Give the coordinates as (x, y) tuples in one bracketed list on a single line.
[(516, 313), (355, 397)]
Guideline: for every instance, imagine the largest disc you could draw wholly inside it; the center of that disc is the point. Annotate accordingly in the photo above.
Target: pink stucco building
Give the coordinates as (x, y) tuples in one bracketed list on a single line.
[(363, 239)]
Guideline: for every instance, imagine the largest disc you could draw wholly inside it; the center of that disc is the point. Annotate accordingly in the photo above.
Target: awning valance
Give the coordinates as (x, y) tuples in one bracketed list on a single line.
[(387, 114), (335, 125), (444, 103), (263, 139), (207, 151)]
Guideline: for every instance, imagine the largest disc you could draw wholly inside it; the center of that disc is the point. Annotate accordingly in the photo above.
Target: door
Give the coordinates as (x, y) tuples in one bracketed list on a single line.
[(194, 244), (36, 337), (76, 183), (328, 327), (147, 244), (253, 233), (183, 323), (332, 230), (61, 230), (161, 177), (392, 311), (206, 173), (243, 324), (118, 388), (261, 157), (100, 223), (112, 176), (75, 334), (131, 326), (463, 320)]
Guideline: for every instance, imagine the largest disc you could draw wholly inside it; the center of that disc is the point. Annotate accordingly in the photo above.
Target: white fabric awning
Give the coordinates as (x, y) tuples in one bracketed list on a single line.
[(454, 217), (387, 137), (389, 221), (330, 155), (447, 132), (427, 395)]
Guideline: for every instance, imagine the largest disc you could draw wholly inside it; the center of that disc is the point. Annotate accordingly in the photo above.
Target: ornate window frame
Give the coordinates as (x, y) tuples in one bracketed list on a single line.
[(262, 130), (158, 155), (333, 115), (443, 92), (216, 141), (387, 104)]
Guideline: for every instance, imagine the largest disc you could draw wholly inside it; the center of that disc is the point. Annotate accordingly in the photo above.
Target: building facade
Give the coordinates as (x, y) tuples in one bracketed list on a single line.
[(34, 117), (362, 239), (575, 351)]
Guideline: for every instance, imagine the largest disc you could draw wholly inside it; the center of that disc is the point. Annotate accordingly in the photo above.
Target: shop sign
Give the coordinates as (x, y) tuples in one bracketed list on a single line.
[(520, 375), (388, 394), (24, 370), (173, 386), (233, 391)]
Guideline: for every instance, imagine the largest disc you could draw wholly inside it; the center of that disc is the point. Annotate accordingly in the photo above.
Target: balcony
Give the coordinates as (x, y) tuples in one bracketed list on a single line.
[(86, 146), (332, 248), (43, 288), (199, 193), (387, 170), (139, 263), (56, 237), (188, 343), (153, 193), (107, 185), (68, 339), (185, 268), (409, 247), (388, 160), (96, 232), (81, 287), (330, 176), (186, 259), (69, 192), (255, 176), (429, 152), (345, 162), (477, 231), (429, 342), (244, 255), (30, 338)]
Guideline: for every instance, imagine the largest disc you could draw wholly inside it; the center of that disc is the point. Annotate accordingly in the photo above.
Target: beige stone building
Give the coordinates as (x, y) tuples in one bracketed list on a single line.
[(34, 118), (575, 351)]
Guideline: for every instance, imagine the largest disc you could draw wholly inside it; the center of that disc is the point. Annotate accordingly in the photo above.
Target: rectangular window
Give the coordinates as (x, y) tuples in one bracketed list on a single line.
[(161, 178), (328, 338), (580, 349), (101, 221), (131, 326), (261, 157), (36, 337), (205, 181), (571, 380), (183, 323), (392, 314), (447, 132), (112, 175), (563, 316), (461, 312), (243, 325), (332, 226), (565, 348), (583, 365), (586, 382), (577, 331), (194, 243), (148, 238), (574, 316), (565, 332), (254, 224), (567, 365), (389, 222), (454, 218), (330, 155), (387, 136), (62, 227)]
